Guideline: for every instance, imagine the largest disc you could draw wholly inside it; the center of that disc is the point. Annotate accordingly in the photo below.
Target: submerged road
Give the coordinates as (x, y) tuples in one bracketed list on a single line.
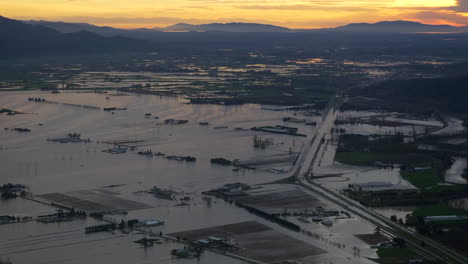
[(302, 175)]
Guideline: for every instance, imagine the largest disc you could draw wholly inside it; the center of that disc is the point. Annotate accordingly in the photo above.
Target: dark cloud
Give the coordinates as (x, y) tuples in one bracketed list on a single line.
[(435, 17), (462, 6)]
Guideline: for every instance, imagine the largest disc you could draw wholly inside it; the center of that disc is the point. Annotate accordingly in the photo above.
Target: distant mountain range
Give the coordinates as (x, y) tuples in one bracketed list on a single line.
[(21, 39), (44, 38), (380, 27), (399, 27), (228, 27), (66, 27)]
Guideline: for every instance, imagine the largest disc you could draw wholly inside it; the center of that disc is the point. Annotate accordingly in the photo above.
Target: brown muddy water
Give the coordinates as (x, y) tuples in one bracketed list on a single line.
[(82, 170)]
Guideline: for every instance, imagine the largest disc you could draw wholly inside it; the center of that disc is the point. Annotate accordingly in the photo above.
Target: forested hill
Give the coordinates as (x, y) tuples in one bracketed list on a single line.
[(20, 40)]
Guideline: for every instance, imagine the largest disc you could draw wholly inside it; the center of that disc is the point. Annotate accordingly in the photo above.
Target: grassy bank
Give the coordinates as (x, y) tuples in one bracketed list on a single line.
[(423, 169), (437, 210), (395, 255)]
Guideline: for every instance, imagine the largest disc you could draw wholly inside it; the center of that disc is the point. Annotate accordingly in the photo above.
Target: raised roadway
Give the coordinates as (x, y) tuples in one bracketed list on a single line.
[(302, 174)]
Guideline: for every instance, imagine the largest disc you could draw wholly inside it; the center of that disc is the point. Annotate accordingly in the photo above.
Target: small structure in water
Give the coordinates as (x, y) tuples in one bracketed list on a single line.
[(293, 120), (70, 138), (262, 143), (101, 228), (10, 190), (327, 221), (148, 152), (114, 108), (147, 242), (182, 158), (175, 121), (279, 130), (163, 193), (149, 223), (117, 150), (221, 161), (186, 252), (220, 127), (229, 190), (21, 129), (36, 99)]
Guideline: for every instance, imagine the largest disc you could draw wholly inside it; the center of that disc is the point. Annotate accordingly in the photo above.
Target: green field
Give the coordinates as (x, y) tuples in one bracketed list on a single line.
[(437, 210), (364, 158), (395, 255), (446, 188), (422, 179)]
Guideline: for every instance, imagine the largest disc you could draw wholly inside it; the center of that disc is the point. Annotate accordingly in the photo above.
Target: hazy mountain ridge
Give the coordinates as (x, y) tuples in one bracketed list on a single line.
[(400, 26), (28, 39), (38, 40), (379, 27), (227, 27), (66, 27)]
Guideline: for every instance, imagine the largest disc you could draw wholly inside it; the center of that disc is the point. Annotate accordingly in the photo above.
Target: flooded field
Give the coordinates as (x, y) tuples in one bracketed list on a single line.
[(278, 200), (92, 201), (343, 175), (108, 168), (43, 165), (67, 243), (387, 123), (258, 242), (455, 172)]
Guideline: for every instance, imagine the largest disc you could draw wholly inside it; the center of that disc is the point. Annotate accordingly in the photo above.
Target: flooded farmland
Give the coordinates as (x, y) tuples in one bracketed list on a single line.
[(184, 176), (65, 158), (455, 173), (43, 162)]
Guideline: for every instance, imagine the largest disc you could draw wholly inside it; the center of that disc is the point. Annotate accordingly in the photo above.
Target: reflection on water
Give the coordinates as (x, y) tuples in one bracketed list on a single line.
[(29, 158), (49, 167), (455, 172)]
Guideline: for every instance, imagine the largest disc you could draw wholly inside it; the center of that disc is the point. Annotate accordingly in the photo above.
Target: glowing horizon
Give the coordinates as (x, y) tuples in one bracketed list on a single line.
[(291, 14)]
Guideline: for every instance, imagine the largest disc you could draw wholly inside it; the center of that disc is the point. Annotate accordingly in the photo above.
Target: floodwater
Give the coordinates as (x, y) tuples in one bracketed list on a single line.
[(335, 175), (454, 125), (454, 140), (30, 159), (455, 172), (407, 125), (343, 175), (47, 167), (461, 203)]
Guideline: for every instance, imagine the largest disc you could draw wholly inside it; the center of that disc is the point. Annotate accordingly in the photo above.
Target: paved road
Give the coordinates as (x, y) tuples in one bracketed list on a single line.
[(309, 152), (303, 170)]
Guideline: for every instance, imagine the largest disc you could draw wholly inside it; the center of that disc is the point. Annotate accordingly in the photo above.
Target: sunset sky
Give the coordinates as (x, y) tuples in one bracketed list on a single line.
[(293, 13)]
